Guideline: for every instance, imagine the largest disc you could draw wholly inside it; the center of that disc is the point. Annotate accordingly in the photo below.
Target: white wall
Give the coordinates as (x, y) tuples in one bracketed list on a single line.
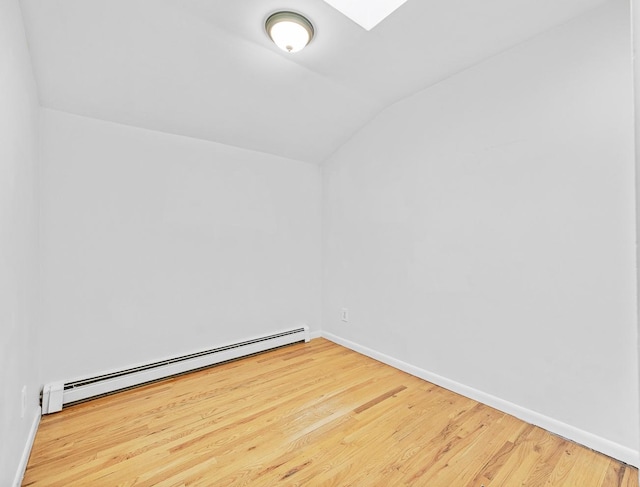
[(157, 245), (483, 229), (635, 30), (19, 127)]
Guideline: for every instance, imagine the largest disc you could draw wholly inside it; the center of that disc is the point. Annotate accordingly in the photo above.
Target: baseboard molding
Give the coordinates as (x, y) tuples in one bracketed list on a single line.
[(26, 452), (594, 442)]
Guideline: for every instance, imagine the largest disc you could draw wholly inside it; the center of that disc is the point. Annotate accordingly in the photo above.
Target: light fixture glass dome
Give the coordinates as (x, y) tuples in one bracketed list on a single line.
[(290, 31)]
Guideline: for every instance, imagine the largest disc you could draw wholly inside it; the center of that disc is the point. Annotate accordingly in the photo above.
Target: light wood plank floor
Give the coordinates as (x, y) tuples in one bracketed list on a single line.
[(310, 414)]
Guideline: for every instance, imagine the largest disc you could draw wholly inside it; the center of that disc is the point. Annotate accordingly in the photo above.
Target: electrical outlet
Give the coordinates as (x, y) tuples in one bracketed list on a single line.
[(345, 315), (23, 402)]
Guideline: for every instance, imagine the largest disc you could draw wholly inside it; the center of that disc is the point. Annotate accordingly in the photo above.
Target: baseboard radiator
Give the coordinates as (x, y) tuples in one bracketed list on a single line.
[(59, 394)]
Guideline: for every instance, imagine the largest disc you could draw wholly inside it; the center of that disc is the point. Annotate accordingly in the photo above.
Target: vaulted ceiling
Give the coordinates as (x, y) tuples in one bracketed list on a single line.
[(206, 69)]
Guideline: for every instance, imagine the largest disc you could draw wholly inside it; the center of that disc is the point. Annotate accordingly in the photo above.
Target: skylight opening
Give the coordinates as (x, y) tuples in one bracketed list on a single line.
[(366, 13)]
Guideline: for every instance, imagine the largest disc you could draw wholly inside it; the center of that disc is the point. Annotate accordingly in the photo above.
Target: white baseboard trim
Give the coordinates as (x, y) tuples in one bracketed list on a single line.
[(594, 442), (26, 452)]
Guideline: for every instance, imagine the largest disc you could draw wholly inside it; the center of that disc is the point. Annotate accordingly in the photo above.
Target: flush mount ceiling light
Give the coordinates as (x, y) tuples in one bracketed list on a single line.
[(289, 31)]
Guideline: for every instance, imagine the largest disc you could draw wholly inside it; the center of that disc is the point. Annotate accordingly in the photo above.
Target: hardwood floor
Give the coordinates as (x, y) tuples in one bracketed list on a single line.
[(309, 414)]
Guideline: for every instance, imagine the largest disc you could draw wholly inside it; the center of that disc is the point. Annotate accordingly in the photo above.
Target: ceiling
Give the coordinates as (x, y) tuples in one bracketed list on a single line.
[(206, 69)]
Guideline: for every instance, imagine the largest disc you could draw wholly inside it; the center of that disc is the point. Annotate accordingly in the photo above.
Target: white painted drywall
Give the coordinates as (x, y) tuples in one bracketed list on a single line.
[(483, 229), (207, 69), (635, 30), (157, 245), (19, 128)]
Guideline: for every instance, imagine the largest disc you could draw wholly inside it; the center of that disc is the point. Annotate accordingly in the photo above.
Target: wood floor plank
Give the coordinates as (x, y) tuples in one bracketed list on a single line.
[(308, 414), (630, 478)]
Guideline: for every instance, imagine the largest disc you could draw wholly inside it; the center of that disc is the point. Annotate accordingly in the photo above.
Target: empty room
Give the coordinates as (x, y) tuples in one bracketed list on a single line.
[(319, 242)]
